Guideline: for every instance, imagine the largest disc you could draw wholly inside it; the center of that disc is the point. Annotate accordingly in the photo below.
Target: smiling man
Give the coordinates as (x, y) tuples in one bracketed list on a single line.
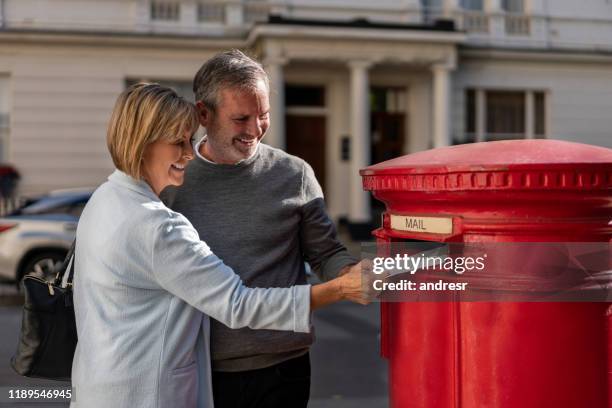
[(261, 210), (237, 124)]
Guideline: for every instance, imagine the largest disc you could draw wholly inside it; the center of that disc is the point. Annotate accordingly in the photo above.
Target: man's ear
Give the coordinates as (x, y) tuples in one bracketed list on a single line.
[(204, 113)]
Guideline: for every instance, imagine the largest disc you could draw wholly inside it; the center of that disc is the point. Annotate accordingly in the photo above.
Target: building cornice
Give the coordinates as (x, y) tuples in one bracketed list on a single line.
[(131, 39), (350, 33), (540, 55)]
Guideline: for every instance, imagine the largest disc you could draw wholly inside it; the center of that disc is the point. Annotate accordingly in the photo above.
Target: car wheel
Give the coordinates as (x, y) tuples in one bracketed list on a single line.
[(43, 265)]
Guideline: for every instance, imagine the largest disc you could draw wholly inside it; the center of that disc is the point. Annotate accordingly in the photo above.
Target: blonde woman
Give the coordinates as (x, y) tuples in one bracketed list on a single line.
[(145, 284)]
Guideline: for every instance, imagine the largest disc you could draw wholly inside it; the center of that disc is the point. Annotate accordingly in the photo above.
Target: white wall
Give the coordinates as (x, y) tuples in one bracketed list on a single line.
[(5, 94), (586, 34), (59, 14), (579, 94), (107, 16), (596, 9), (62, 97), (5, 111), (421, 113)]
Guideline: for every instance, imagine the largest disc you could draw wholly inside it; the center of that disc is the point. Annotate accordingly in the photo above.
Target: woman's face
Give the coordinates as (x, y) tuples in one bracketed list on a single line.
[(164, 162)]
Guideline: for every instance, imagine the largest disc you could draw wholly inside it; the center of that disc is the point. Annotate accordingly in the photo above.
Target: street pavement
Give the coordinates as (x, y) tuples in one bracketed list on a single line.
[(10, 324), (347, 371)]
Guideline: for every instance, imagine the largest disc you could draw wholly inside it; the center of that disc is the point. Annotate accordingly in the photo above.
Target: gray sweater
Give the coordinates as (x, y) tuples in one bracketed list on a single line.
[(263, 217)]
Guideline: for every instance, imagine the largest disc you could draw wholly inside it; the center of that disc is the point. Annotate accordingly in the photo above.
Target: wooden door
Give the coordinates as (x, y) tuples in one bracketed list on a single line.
[(306, 139)]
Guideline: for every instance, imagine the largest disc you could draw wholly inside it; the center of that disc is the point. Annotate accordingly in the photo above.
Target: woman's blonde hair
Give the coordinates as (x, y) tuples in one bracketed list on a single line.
[(143, 114)]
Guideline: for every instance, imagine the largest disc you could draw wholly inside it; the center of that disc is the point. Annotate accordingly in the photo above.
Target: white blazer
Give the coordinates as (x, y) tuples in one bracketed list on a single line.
[(144, 287)]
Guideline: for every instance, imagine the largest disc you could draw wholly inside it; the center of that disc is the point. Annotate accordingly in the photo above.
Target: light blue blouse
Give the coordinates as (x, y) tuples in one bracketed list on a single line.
[(144, 287)]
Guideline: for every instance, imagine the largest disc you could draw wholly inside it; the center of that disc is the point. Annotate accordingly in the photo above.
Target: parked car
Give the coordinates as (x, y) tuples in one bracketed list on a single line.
[(35, 238)]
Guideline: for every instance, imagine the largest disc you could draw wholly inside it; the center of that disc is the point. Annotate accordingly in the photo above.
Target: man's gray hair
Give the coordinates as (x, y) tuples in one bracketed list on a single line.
[(229, 69)]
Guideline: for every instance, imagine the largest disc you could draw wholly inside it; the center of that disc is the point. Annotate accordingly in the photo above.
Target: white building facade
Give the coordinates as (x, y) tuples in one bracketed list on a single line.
[(353, 82)]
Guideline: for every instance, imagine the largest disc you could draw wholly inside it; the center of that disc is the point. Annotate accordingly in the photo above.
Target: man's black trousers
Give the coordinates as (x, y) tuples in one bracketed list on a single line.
[(283, 385)]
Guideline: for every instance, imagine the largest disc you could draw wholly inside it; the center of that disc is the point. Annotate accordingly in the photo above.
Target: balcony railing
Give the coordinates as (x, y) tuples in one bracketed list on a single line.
[(165, 11), (471, 21), (517, 24), (475, 22)]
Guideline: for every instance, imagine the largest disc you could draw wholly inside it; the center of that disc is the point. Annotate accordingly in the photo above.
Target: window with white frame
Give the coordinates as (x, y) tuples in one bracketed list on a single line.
[(513, 6), (474, 19), (431, 4), (4, 116), (517, 21), (432, 9), (504, 114), (473, 5), (165, 10), (386, 99), (211, 12)]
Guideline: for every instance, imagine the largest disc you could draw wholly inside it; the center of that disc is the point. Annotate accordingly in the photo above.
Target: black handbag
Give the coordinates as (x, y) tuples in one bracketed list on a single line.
[(48, 328)]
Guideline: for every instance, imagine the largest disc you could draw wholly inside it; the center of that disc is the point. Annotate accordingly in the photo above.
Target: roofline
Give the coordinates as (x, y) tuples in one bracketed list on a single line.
[(534, 54), (352, 31), (438, 25), (82, 37)]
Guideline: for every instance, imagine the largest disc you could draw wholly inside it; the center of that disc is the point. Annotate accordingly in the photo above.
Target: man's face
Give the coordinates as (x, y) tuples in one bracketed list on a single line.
[(237, 126)]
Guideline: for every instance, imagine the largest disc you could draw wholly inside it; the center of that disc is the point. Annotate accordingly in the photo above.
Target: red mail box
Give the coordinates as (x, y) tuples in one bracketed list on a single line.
[(497, 354)]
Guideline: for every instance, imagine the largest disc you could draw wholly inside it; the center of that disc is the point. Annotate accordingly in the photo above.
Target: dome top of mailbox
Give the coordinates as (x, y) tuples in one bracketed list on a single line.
[(511, 164)]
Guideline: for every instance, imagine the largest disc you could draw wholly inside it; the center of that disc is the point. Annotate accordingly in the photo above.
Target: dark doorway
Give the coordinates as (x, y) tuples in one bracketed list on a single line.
[(306, 139), (387, 135), (388, 130), (387, 123)]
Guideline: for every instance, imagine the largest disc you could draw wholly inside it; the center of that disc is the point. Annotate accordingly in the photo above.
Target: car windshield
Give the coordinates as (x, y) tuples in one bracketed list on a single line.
[(56, 204)]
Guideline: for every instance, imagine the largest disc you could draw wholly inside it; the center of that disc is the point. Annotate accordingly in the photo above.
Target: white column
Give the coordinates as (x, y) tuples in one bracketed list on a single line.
[(188, 15), (2, 22), (538, 7), (276, 133), (481, 115), (449, 8), (142, 15), (548, 130), (234, 13), (359, 204), (441, 105), (497, 19), (529, 117), (492, 6)]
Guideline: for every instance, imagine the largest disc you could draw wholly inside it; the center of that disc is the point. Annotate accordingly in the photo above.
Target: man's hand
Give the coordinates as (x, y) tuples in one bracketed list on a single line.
[(345, 270), (355, 284)]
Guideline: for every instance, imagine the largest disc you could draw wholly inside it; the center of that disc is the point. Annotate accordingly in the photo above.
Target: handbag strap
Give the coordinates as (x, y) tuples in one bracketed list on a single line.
[(68, 261)]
